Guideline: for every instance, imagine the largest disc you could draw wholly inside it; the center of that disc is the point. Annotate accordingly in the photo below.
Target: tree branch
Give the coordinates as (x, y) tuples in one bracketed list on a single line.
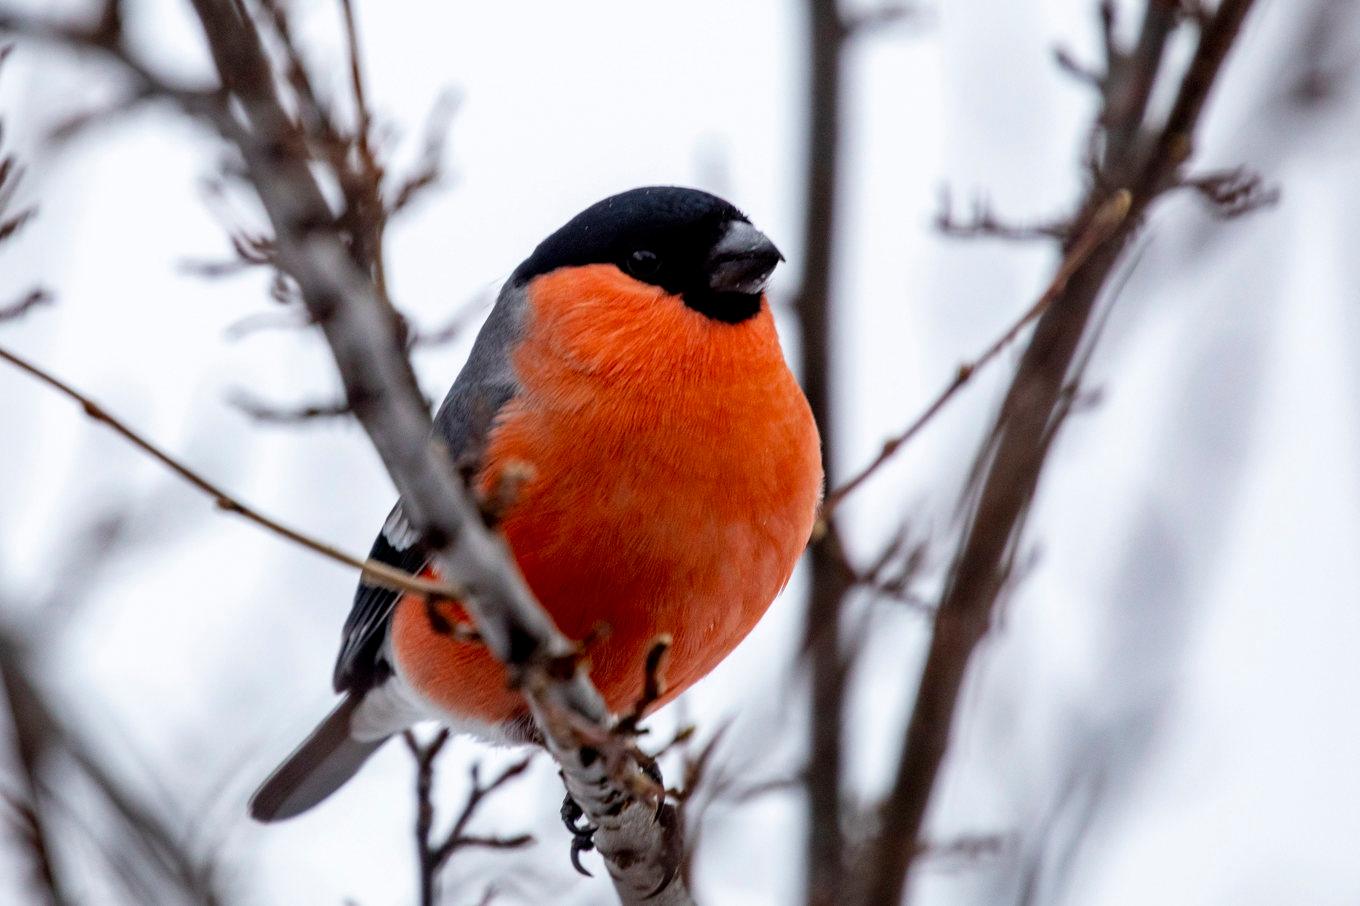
[(316, 248), (1012, 459), (431, 854), (270, 414), (824, 856), (1100, 228), (31, 300), (983, 223), (372, 571), (28, 811), (142, 845), (12, 222)]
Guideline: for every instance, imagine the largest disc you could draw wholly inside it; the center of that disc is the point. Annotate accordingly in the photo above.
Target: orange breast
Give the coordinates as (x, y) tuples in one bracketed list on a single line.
[(675, 472)]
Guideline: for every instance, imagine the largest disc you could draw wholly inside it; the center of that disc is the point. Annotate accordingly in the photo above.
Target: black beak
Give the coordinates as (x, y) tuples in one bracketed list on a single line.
[(742, 260)]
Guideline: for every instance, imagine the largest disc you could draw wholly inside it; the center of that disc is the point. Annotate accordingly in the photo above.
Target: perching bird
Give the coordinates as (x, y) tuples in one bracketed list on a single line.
[(662, 466)]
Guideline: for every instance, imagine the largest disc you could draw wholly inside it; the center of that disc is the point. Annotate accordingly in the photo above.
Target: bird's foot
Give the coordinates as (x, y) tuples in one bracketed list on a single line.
[(582, 832)]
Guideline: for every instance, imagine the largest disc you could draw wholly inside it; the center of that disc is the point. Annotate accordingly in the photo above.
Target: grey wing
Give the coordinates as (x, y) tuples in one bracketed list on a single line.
[(486, 383)]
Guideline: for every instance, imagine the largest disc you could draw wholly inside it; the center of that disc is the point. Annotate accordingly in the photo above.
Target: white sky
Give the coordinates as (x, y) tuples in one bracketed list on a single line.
[(1186, 641)]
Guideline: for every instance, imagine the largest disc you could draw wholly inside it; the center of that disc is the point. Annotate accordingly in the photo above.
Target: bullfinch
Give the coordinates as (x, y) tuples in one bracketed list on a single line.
[(664, 471)]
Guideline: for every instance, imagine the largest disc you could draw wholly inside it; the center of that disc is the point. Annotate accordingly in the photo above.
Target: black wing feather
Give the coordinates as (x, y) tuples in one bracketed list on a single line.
[(360, 664), (463, 422)]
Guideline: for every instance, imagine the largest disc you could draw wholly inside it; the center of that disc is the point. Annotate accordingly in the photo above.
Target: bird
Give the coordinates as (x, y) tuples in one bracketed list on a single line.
[(657, 470)]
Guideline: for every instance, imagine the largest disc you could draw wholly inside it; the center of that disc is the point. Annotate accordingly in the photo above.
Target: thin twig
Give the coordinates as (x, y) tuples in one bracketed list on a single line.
[(141, 843), (1100, 228), (430, 167), (432, 855), (983, 223), (31, 300), (356, 76), (11, 175), (424, 755), (27, 805), (372, 571), (1078, 70), (463, 318), (887, 14), (458, 838), (269, 414), (1232, 193)]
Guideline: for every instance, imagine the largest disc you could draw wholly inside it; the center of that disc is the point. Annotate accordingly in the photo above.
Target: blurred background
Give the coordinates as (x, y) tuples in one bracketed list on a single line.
[(1165, 709)]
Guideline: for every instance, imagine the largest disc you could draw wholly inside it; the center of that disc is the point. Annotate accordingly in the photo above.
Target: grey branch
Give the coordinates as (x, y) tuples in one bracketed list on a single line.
[(640, 842)]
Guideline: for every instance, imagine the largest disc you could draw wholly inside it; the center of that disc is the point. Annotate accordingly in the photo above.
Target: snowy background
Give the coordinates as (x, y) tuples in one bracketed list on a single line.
[(1167, 709)]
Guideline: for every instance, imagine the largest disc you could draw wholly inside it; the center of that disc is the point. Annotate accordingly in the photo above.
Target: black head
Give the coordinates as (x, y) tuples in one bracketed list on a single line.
[(692, 244)]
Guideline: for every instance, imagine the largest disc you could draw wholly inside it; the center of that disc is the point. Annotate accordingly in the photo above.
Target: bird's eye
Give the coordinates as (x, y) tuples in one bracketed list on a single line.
[(643, 263)]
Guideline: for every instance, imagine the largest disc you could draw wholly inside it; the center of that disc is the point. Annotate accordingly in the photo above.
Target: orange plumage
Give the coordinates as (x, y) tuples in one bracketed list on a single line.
[(674, 472)]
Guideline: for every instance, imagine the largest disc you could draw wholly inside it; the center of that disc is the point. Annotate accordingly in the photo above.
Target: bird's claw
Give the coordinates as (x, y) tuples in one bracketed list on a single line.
[(652, 770), (583, 842), (582, 833)]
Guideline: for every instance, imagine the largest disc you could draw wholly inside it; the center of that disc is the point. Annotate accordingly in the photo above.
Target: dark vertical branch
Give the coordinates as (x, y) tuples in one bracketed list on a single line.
[(29, 812), (431, 853), (1013, 456), (425, 755), (25, 805), (142, 844), (825, 845), (1130, 79)]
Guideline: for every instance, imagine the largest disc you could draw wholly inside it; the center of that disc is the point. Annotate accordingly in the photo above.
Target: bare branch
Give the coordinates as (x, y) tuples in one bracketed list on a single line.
[(432, 855), (330, 257), (11, 225), (356, 79), (105, 37), (1108, 16), (983, 223), (1011, 461), (1233, 193), (887, 14), (259, 322), (965, 849), (1196, 11), (430, 168), (28, 812), (372, 571), (11, 173), (896, 567), (458, 838), (1101, 227), (1078, 70), (823, 860), (424, 755), (462, 320), (1128, 86), (269, 414), (141, 846), (33, 299)]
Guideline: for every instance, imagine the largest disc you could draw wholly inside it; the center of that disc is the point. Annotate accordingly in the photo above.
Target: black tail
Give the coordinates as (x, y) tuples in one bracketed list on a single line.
[(317, 768)]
